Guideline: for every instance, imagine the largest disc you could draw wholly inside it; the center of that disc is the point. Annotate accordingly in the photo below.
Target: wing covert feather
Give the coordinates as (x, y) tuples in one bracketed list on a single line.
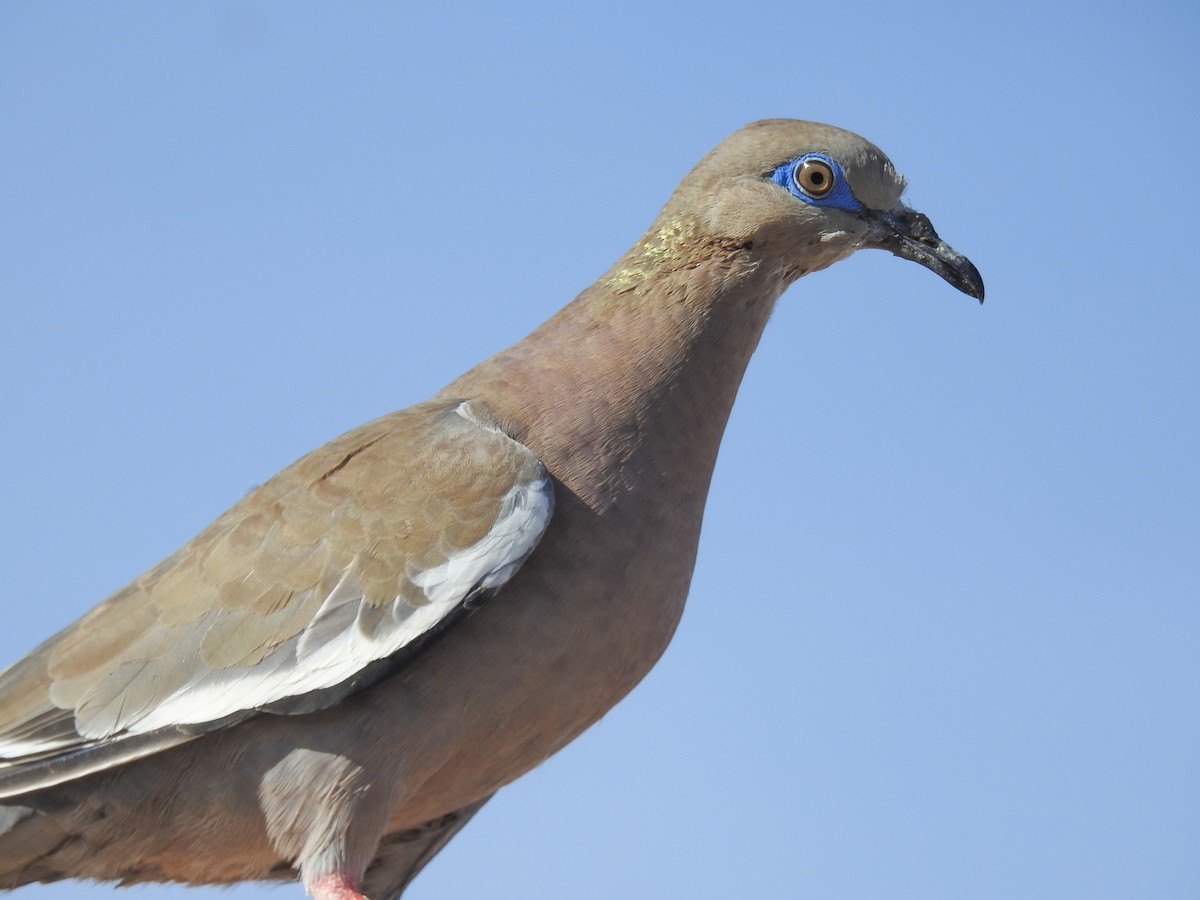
[(352, 553)]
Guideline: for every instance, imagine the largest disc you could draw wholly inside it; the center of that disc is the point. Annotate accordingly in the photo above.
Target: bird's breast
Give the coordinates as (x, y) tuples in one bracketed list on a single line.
[(574, 631)]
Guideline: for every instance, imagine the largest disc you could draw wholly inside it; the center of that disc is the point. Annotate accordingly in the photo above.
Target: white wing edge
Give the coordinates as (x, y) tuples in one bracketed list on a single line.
[(87, 760), (321, 664), (525, 512)]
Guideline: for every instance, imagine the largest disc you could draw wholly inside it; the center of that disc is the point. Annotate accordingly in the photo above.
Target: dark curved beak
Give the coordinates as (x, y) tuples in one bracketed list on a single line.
[(908, 233)]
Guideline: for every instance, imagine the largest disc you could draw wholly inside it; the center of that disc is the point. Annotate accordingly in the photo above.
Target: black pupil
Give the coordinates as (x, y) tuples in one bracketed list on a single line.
[(818, 178)]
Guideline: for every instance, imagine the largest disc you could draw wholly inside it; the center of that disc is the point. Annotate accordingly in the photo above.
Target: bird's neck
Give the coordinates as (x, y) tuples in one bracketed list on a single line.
[(631, 384)]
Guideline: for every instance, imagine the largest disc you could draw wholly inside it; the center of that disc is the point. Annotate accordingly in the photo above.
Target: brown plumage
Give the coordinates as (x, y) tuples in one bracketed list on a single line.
[(335, 674)]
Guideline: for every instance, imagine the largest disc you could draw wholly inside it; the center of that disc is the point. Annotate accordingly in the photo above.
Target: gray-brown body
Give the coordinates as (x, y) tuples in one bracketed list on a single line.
[(623, 396)]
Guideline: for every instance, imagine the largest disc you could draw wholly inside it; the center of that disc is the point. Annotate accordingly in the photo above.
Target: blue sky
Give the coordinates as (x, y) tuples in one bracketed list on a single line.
[(943, 636)]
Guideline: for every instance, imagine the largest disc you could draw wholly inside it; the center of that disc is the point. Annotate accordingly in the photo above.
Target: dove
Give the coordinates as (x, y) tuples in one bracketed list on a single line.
[(336, 674)]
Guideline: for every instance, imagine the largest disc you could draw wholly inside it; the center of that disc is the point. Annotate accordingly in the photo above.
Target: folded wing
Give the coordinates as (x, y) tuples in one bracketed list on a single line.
[(316, 584)]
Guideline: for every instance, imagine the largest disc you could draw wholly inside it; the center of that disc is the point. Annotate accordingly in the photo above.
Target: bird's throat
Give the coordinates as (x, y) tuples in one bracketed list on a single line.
[(665, 337)]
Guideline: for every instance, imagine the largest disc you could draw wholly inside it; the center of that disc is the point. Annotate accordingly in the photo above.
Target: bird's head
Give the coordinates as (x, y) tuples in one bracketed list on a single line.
[(804, 195)]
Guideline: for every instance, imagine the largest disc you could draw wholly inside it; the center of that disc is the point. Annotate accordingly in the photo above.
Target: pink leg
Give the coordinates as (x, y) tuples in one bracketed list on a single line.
[(334, 886)]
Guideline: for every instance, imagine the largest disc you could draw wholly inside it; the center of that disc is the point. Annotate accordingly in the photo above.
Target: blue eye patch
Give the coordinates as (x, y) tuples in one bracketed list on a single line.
[(839, 196)]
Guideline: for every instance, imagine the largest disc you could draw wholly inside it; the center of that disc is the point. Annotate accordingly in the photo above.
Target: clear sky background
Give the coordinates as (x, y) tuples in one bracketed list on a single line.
[(943, 636)]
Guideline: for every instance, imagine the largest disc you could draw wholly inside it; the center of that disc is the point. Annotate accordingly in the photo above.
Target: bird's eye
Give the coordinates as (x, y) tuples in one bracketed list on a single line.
[(815, 177)]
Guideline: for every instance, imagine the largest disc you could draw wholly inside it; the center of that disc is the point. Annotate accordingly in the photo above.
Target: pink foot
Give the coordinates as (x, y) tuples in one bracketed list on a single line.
[(334, 886)]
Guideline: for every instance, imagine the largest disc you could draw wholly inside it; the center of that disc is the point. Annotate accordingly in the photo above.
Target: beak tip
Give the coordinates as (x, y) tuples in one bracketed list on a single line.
[(972, 285), (972, 281)]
